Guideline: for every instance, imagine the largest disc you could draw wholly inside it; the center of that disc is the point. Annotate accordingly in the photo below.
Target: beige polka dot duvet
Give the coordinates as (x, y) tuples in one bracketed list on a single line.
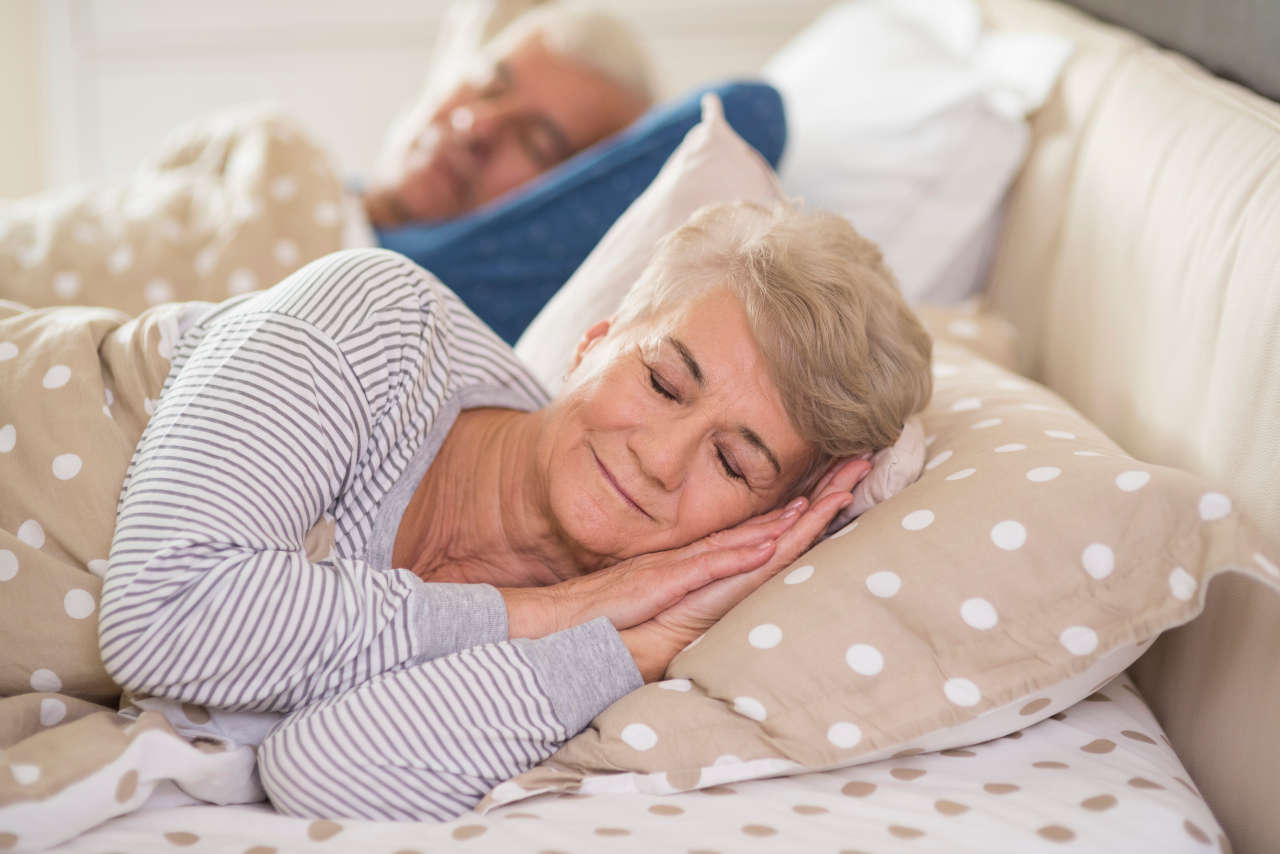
[(1098, 777), (229, 204)]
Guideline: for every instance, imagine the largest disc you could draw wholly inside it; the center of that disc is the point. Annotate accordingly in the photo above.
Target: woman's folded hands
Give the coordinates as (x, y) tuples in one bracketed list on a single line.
[(663, 601)]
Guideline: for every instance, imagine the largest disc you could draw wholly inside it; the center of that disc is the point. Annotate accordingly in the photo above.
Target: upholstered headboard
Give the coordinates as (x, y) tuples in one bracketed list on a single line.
[(1140, 264)]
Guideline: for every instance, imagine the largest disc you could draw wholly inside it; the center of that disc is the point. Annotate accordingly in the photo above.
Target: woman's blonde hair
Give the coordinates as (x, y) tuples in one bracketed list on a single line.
[(849, 358)]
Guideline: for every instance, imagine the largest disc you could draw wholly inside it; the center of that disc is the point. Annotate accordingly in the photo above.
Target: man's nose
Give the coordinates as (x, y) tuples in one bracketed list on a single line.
[(666, 451)]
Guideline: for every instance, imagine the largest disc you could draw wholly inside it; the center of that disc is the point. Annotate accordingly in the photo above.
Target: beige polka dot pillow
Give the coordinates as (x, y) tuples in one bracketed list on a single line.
[(1031, 562)]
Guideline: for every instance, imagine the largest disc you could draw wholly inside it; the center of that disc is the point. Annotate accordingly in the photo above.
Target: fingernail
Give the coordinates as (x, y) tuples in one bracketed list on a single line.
[(796, 503), (790, 513), (765, 546)]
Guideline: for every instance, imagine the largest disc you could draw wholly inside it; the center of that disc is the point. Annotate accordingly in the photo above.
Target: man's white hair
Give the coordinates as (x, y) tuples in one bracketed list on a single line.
[(588, 36)]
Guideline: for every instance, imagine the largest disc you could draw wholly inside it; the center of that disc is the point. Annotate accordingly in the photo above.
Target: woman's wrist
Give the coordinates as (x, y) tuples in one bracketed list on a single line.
[(529, 612), (652, 649)]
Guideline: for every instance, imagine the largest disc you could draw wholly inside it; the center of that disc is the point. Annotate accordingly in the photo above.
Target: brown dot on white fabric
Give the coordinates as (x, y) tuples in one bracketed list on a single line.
[(1095, 697), (1190, 788), (127, 787), (1049, 763), (903, 832), (907, 774), (8, 841), (271, 849), (521, 815), (685, 778), (469, 831), (1061, 716), (858, 788), (1099, 745), (719, 790), (1195, 832), (759, 830), (1144, 783), (666, 809), (612, 831), (1137, 736), (950, 807), (1000, 788), (958, 752), (809, 809), (324, 829), (1098, 803), (195, 714), (181, 837), (1057, 833), (910, 751)]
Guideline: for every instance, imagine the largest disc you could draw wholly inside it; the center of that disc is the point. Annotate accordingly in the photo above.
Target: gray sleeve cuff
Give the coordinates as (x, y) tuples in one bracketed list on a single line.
[(448, 617), (583, 670)]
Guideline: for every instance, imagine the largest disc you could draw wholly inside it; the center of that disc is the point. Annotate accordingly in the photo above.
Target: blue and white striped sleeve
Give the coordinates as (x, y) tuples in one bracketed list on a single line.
[(426, 743), (210, 597)]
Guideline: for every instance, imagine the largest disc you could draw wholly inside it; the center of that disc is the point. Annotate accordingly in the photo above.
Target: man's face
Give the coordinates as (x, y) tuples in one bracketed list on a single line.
[(525, 113)]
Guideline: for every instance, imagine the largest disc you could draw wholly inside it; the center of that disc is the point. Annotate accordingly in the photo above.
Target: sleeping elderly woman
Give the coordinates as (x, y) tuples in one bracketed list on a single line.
[(354, 509)]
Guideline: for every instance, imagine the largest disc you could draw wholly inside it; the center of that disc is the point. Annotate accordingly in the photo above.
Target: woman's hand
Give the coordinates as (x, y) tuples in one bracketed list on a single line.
[(656, 641), (636, 589)]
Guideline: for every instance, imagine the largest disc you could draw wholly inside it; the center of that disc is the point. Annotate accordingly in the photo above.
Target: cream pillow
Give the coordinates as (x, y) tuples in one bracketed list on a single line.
[(712, 164), (1031, 562)]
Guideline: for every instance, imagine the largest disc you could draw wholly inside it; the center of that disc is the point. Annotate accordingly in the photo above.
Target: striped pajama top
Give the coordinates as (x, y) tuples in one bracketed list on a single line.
[(326, 398)]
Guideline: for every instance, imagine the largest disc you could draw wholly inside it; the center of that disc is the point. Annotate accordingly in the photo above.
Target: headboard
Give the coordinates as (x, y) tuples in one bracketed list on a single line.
[(1140, 265)]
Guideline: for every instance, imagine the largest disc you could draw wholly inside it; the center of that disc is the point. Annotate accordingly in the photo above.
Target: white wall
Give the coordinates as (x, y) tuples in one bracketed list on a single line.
[(123, 72), (21, 163)]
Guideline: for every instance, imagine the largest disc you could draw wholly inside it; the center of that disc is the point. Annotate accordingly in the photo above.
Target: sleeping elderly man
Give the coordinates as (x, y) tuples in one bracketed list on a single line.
[(355, 511)]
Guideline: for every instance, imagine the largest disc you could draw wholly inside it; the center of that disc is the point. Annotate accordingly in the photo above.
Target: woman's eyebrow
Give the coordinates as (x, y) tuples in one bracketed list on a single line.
[(747, 433)]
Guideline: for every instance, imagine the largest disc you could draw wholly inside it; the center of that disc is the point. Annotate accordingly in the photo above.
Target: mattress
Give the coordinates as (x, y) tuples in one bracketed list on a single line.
[(1099, 777)]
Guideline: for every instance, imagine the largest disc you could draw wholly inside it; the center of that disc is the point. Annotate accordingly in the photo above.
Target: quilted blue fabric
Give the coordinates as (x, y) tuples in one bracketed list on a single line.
[(507, 259)]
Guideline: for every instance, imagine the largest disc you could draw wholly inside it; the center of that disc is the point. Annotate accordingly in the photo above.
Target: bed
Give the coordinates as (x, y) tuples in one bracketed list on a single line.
[(1132, 272)]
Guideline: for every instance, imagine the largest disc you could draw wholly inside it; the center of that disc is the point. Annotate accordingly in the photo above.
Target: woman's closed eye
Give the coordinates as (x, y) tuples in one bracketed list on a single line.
[(661, 387), (667, 392)]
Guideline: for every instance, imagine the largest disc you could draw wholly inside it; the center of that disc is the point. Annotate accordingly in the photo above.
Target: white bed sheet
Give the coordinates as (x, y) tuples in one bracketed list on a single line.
[(1099, 777)]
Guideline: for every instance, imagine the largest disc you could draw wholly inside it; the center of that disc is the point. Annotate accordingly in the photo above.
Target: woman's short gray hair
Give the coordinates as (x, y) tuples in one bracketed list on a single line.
[(849, 357), (587, 36)]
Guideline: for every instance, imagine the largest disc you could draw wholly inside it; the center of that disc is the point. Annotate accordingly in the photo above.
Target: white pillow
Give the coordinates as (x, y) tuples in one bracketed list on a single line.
[(712, 164), (908, 119)]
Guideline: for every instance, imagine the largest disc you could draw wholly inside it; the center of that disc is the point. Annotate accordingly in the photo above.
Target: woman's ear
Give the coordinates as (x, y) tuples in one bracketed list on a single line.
[(588, 340)]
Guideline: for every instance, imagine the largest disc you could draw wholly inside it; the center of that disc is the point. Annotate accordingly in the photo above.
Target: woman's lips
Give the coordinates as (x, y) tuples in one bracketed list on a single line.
[(617, 486)]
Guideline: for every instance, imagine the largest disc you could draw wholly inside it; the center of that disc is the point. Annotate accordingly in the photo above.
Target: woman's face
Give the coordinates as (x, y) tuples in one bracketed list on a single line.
[(667, 430)]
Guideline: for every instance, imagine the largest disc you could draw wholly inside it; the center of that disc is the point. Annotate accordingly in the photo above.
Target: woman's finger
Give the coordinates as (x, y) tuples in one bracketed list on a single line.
[(769, 526), (801, 536)]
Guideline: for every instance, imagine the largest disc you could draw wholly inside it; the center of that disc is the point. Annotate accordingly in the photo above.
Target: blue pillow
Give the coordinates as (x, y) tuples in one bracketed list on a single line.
[(506, 260)]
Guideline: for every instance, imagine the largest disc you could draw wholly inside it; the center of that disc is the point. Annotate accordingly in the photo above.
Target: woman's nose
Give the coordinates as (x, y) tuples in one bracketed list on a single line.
[(666, 451)]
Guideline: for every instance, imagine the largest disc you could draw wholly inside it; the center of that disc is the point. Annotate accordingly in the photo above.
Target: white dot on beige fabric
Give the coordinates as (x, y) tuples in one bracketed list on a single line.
[(1011, 448), (750, 707), (1098, 560), (1037, 407), (1059, 434), (157, 291), (98, 566), (241, 282), (1079, 640), (56, 377), (844, 734), (846, 529), (8, 564), (327, 214), (78, 603), (1213, 506), (966, 404), (960, 475), (765, 636), (45, 680), (799, 575), (1043, 474), (1181, 584), (284, 188), (66, 285), (1132, 481), (639, 736), (31, 533), (1012, 385), (206, 261), (120, 260), (66, 466), (917, 520), (864, 659), (884, 583), (963, 328), (682, 685), (7, 350), (944, 369), (286, 253), (25, 775), (979, 613), (170, 229), (52, 711), (1009, 535), (985, 423), (962, 692), (1086, 453), (938, 460), (149, 405)]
